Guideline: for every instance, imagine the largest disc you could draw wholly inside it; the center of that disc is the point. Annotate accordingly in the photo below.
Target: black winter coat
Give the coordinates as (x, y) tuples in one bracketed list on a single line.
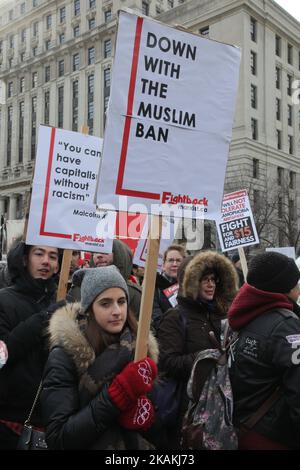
[(23, 319)]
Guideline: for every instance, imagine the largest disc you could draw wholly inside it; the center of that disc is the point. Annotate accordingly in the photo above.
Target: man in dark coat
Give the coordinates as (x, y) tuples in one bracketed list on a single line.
[(24, 313), (266, 355)]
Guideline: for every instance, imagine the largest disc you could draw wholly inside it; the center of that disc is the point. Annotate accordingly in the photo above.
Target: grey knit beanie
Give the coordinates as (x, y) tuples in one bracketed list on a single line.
[(97, 280)]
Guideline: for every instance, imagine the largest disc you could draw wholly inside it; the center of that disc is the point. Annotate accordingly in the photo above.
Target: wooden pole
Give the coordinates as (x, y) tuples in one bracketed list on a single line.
[(67, 257), (243, 262), (148, 288)]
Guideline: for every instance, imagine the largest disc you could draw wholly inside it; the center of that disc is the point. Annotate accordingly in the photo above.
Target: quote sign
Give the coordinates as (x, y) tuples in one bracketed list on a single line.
[(62, 211), (169, 121), (236, 226)]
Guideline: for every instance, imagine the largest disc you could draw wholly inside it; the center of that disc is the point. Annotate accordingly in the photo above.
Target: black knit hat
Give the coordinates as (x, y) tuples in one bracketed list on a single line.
[(273, 272)]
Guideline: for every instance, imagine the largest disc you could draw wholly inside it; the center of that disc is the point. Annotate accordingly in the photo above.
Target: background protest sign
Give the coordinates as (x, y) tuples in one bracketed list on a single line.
[(236, 226), (285, 250), (169, 121), (169, 229), (62, 212)]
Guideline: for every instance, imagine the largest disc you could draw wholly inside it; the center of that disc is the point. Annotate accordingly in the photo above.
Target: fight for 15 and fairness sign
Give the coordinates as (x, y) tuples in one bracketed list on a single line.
[(169, 120)]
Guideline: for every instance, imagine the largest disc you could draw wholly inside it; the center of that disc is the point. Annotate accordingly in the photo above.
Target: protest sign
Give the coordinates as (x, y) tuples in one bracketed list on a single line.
[(236, 226), (169, 229), (285, 250), (169, 121), (62, 211)]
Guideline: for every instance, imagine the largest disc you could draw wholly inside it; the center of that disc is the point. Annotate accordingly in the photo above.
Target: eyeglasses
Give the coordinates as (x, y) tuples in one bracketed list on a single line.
[(207, 279), (174, 260)]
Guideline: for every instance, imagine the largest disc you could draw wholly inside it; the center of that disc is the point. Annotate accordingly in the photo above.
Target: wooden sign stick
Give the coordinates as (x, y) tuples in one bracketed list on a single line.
[(148, 288), (243, 261), (67, 257)]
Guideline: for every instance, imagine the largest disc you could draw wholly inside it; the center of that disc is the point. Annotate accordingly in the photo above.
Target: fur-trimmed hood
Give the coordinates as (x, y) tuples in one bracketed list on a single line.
[(65, 332), (227, 286)]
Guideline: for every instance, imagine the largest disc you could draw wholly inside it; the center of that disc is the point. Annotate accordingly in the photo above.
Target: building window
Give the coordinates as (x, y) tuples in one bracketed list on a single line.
[(22, 8), (92, 23), (10, 14), (254, 130), (279, 143), (91, 55), (145, 8), (47, 73), (107, 16), (21, 130), (292, 212), (280, 175), (10, 89), (278, 45), (33, 126), (23, 35), (204, 31), (291, 144), (60, 118), (253, 62), (22, 84), (61, 38), (1, 46), (171, 3), (107, 48), (278, 78), (253, 96), (34, 78), (290, 115), (62, 15), (280, 207), (278, 109), (76, 31), (34, 3), (92, 3), (76, 7), (48, 21), (9, 134), (106, 75), (289, 86), (47, 107), (290, 54), (292, 181), (47, 44), (34, 51), (22, 56), (75, 62), (75, 106), (35, 29), (11, 41), (10, 63), (106, 90), (61, 68), (253, 29), (255, 168), (90, 110)]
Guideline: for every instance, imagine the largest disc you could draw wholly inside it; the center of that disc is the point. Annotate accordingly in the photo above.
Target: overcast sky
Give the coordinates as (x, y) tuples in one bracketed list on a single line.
[(292, 6)]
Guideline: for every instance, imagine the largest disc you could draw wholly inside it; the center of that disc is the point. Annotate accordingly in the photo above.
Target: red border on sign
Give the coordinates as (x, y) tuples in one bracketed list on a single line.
[(134, 65), (46, 195)]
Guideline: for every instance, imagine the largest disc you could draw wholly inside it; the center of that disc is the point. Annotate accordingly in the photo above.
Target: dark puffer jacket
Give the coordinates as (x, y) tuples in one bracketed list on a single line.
[(23, 318), (180, 341)]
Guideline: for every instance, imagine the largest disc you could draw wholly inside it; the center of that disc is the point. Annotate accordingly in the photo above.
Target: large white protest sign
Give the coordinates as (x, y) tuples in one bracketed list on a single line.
[(169, 121), (62, 211), (236, 226), (169, 229), (284, 250)]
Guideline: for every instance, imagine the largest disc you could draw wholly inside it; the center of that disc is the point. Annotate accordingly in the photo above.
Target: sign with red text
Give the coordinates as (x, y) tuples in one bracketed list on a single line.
[(62, 211), (236, 226), (169, 121)]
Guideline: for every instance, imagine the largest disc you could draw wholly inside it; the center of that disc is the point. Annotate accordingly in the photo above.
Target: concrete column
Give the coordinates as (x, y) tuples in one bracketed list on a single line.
[(12, 214), (2, 206)]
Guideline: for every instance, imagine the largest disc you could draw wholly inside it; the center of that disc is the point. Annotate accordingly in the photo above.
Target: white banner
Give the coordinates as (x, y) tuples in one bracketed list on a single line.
[(236, 226), (62, 212), (169, 121), (284, 250), (169, 229)]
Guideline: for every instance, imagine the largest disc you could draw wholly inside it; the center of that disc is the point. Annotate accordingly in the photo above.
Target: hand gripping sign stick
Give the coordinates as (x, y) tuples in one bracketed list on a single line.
[(243, 261), (67, 257), (148, 288)]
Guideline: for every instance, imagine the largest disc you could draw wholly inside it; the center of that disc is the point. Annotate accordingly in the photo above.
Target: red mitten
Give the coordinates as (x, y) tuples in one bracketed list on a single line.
[(135, 380), (139, 417)]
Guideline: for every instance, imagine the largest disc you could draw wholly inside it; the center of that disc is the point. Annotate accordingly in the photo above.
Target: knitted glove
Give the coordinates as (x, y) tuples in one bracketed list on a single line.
[(135, 380), (139, 417)]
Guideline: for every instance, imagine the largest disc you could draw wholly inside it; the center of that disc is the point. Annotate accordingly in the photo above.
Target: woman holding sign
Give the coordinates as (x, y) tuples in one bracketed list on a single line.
[(93, 393)]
